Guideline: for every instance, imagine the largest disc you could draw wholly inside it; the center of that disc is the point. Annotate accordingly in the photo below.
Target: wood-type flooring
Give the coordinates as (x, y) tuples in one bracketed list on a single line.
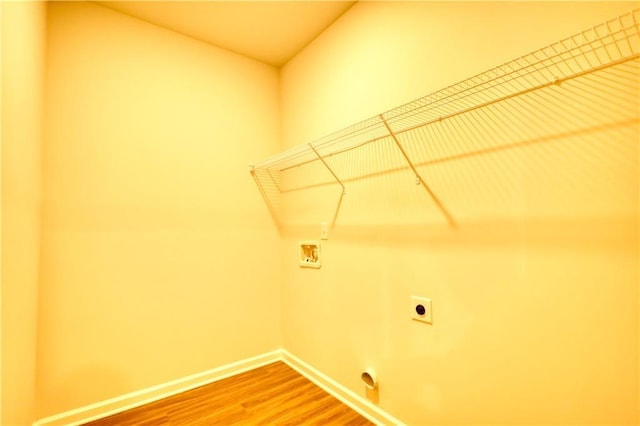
[(271, 395)]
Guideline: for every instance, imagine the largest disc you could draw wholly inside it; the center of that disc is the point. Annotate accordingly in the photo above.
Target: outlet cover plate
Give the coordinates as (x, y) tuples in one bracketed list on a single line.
[(324, 231), (421, 309)]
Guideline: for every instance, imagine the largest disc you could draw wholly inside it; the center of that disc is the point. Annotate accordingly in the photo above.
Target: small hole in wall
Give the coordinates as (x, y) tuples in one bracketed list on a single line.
[(367, 379)]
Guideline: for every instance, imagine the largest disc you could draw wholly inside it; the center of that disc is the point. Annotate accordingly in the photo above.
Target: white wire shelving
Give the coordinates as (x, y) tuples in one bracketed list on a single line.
[(604, 57)]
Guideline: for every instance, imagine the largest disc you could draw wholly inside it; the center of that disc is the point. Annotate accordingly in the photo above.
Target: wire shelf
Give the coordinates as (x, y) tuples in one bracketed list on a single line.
[(612, 47)]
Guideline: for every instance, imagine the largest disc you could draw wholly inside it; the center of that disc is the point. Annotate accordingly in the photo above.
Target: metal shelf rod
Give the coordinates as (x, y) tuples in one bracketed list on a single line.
[(329, 168), (419, 178)]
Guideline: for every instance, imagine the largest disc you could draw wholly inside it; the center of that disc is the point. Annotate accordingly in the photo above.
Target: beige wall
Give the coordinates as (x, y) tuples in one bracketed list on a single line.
[(159, 259), (23, 47), (535, 294)]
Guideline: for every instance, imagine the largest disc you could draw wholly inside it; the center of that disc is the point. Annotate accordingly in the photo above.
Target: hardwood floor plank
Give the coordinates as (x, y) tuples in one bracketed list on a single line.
[(274, 394)]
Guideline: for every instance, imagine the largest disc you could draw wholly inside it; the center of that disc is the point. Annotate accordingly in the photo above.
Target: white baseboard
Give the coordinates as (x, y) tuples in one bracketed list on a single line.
[(131, 400), (356, 402)]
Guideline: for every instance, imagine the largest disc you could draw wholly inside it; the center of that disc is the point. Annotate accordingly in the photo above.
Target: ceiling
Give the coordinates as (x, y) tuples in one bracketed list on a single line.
[(269, 31)]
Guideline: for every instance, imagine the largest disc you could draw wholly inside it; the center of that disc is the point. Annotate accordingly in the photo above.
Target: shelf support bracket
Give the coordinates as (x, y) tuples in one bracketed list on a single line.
[(328, 168), (419, 179), (275, 182)]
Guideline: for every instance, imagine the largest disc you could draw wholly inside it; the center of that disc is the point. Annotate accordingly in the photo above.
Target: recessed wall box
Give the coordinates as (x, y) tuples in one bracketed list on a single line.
[(309, 254)]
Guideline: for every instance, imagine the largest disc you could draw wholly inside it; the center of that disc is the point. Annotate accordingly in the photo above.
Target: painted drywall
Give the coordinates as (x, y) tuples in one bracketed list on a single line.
[(535, 294), (23, 52), (159, 259)]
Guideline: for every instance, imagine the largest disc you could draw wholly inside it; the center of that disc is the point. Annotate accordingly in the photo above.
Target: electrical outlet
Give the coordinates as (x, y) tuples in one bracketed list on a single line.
[(421, 309)]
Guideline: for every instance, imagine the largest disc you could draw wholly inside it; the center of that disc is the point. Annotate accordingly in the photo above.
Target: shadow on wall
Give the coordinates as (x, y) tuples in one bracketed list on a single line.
[(565, 150)]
